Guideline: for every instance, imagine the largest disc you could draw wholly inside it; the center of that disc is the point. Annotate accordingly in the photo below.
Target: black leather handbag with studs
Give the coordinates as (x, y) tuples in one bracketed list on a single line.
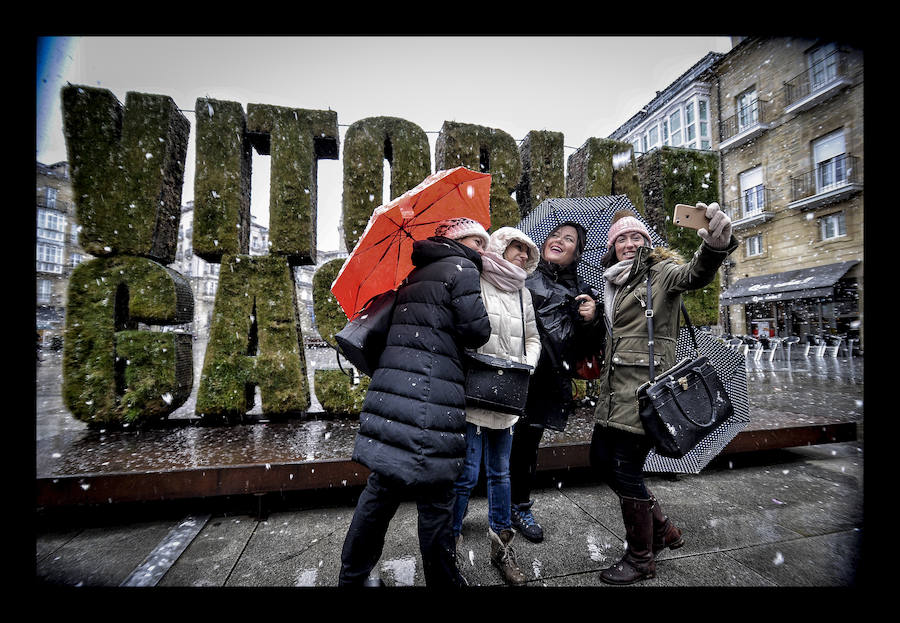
[(686, 403)]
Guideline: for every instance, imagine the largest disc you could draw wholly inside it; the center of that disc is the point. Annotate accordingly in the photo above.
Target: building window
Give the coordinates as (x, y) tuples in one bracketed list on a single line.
[(75, 259), (748, 109), (829, 153), (653, 136), (686, 125), (690, 125), (822, 65), (832, 226), (49, 258), (752, 192), (703, 116), (51, 225), (44, 290), (754, 245), (675, 128), (209, 287), (51, 197)]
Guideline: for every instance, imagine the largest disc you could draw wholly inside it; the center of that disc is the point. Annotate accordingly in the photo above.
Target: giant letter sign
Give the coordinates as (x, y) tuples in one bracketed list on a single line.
[(112, 372), (127, 176), (542, 169), (127, 171), (296, 139), (367, 144), (221, 181), (487, 150), (254, 339)]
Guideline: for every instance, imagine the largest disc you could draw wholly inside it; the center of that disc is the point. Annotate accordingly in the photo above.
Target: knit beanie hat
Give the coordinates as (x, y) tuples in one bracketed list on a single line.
[(624, 222), (457, 228)]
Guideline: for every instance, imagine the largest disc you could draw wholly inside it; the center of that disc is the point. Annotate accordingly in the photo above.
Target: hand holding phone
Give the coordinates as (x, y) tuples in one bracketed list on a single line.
[(691, 216)]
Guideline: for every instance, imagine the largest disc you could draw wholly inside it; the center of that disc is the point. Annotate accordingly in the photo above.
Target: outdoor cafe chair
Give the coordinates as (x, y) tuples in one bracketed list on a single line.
[(832, 349), (788, 342), (773, 347)]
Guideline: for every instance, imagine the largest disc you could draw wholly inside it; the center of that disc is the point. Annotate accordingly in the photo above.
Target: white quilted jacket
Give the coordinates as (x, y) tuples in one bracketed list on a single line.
[(505, 314)]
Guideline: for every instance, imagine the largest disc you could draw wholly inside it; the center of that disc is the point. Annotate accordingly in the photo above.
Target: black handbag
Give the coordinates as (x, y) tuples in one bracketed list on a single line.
[(363, 338), (495, 383), (686, 403)]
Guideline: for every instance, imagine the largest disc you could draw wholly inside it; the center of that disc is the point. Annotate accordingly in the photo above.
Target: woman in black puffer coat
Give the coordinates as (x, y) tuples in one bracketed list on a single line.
[(413, 419)]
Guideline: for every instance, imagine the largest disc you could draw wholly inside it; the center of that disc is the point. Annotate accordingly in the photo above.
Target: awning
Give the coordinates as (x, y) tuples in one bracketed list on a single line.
[(793, 284)]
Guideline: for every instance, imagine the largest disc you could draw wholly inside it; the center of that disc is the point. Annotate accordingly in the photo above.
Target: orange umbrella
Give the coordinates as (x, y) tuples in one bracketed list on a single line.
[(382, 258)]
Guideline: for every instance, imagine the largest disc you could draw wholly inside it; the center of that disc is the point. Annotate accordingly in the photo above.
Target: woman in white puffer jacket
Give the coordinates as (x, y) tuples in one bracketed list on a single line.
[(510, 257)]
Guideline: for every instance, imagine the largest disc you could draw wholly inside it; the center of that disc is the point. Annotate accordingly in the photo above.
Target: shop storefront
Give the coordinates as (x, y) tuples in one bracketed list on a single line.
[(818, 301)]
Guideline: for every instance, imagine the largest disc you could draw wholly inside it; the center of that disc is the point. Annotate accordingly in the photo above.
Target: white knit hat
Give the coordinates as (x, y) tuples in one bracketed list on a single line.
[(457, 228)]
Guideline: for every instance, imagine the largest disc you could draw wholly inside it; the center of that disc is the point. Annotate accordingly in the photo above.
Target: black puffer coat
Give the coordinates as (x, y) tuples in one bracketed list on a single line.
[(413, 420), (565, 337)]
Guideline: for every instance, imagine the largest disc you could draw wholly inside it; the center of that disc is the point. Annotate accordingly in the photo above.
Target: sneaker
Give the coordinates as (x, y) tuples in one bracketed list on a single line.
[(524, 523)]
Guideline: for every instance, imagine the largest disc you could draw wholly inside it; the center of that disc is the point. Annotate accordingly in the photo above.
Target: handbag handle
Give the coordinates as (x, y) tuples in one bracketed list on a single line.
[(712, 401), (649, 313)]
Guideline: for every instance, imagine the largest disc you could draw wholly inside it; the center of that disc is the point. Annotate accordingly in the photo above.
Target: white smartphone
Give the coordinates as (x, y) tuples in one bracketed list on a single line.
[(691, 216)]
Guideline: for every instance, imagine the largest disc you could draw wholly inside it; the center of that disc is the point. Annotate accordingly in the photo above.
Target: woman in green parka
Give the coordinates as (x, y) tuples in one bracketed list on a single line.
[(619, 446)]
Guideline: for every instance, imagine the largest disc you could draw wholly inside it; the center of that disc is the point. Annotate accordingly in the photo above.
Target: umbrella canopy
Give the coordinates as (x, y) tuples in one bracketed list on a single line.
[(382, 258), (731, 367), (595, 214)]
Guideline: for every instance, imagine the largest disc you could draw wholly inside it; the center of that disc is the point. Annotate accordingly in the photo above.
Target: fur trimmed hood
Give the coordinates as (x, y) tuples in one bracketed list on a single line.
[(661, 254), (501, 238)]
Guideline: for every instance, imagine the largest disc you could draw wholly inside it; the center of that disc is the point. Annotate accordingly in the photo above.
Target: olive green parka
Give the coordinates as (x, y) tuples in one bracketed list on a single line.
[(626, 359)]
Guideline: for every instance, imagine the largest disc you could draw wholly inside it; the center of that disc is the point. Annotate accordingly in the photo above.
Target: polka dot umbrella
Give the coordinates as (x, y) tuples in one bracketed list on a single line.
[(595, 214)]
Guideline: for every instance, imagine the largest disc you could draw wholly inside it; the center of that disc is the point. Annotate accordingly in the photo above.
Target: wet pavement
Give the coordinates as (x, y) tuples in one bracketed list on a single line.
[(788, 517), (800, 391)]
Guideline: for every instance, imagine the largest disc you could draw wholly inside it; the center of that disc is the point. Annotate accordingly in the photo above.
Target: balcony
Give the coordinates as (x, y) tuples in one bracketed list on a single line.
[(749, 122), (836, 179), (818, 83), (754, 208)]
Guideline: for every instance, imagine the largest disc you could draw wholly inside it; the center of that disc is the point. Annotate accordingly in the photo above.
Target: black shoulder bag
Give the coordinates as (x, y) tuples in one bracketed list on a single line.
[(363, 338), (686, 403), (495, 383)]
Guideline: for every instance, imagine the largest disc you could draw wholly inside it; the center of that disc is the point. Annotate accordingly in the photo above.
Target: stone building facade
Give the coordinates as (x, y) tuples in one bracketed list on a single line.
[(785, 116), (56, 249), (790, 139)]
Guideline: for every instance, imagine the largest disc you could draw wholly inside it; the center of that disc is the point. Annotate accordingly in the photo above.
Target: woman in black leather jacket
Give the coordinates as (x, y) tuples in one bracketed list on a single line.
[(569, 320)]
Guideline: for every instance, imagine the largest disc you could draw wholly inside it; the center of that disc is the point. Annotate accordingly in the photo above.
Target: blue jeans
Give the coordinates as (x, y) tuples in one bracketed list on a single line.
[(492, 446)]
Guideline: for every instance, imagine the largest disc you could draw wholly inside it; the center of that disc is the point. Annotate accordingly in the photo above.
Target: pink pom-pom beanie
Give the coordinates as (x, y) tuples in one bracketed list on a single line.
[(624, 222), (460, 228)]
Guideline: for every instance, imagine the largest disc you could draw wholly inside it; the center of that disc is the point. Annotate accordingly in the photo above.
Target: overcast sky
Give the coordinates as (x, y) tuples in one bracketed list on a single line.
[(581, 86)]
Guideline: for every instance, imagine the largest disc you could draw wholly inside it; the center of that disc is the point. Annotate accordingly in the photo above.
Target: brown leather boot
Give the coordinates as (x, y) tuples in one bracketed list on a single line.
[(638, 563), (665, 533), (503, 557)]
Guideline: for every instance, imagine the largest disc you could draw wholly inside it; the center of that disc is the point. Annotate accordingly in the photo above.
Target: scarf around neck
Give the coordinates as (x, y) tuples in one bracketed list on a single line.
[(502, 273), (614, 278)]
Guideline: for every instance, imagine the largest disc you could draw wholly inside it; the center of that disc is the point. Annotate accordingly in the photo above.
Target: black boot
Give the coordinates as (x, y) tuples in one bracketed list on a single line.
[(665, 533), (638, 563), (524, 523)]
